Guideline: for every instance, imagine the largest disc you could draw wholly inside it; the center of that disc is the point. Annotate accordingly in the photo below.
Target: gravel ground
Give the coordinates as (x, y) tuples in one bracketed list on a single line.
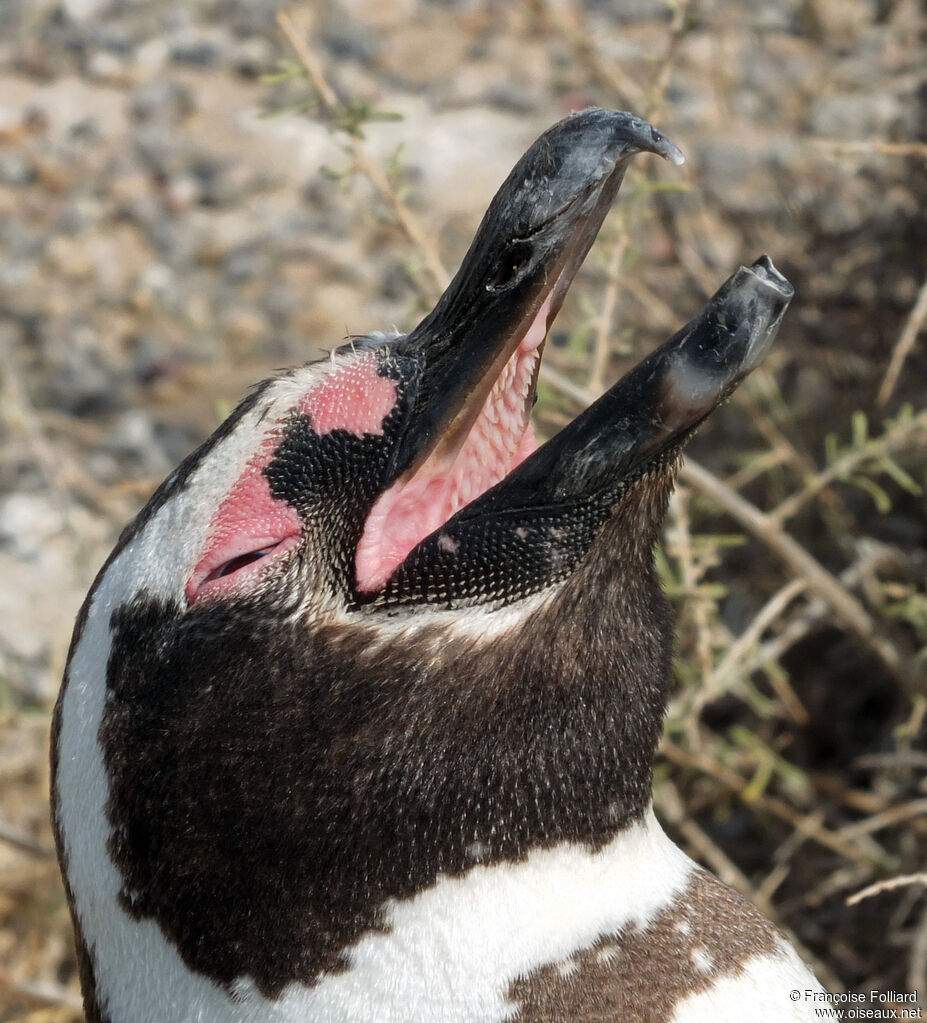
[(164, 243)]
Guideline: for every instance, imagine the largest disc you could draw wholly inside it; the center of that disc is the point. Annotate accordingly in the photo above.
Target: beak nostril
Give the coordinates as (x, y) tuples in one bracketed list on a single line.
[(503, 276), (509, 266)]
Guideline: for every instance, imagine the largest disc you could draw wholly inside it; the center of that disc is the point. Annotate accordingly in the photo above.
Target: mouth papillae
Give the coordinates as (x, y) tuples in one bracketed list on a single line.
[(500, 438), (477, 512)]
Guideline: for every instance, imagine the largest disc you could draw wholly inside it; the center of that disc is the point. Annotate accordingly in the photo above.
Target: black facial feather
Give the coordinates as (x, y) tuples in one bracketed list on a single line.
[(272, 785), (332, 480)]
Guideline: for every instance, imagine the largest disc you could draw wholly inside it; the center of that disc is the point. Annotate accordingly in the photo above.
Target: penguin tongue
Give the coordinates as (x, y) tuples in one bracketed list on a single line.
[(533, 527)]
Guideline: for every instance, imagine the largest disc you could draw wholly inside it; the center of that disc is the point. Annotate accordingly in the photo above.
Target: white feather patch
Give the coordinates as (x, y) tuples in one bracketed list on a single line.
[(453, 951), (134, 965), (763, 990)]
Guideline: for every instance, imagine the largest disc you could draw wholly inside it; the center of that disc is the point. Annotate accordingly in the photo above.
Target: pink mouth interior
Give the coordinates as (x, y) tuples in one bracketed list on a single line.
[(500, 439)]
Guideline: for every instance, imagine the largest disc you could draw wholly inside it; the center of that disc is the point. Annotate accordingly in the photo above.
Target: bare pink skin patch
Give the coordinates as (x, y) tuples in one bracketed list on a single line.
[(249, 532), (354, 398)]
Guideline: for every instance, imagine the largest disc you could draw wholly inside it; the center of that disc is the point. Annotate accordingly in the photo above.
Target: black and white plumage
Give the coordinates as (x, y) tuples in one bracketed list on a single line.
[(359, 717)]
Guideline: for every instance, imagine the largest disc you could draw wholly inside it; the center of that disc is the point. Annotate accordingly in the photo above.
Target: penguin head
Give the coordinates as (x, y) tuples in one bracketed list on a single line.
[(384, 476)]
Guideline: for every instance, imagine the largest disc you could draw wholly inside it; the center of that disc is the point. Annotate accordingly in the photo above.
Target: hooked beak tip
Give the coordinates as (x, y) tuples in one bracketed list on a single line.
[(666, 148), (636, 135)]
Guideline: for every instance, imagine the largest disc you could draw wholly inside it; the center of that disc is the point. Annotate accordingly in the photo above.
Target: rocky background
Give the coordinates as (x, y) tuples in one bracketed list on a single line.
[(182, 211)]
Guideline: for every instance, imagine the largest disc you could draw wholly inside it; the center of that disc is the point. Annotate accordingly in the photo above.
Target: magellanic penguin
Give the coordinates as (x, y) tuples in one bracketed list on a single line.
[(359, 719)]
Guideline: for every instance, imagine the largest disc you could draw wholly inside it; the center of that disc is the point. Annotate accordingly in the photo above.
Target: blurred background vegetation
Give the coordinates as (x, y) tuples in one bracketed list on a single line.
[(196, 192)]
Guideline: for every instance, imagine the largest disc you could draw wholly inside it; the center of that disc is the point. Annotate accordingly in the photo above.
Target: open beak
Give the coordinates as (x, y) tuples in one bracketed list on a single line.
[(515, 276), (533, 528), (475, 512)]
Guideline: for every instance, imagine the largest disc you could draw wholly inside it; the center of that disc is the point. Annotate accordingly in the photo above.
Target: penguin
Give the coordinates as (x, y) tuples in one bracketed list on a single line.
[(359, 717)]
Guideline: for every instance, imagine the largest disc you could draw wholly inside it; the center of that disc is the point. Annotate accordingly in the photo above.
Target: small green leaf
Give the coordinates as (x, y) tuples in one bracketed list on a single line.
[(891, 468), (287, 71), (860, 429), (831, 448), (882, 501)]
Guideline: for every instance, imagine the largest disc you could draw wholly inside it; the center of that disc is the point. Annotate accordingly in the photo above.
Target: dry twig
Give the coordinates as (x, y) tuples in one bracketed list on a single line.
[(863, 147), (886, 886), (20, 841), (570, 20), (904, 344), (602, 346), (893, 815), (44, 993)]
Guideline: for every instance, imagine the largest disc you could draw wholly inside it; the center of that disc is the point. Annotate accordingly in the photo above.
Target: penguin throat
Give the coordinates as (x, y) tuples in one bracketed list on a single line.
[(500, 438)]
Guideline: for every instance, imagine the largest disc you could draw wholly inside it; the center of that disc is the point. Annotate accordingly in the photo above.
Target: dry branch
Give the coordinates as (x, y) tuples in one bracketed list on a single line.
[(886, 886), (904, 344), (23, 842), (845, 606)]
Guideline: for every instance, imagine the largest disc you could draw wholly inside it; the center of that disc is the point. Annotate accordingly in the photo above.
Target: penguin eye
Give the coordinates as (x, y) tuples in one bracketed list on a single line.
[(239, 570), (231, 567), (249, 532)]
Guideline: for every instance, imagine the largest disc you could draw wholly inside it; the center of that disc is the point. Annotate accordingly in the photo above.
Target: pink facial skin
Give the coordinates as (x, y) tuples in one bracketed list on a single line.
[(249, 532), (353, 398), (252, 529)]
